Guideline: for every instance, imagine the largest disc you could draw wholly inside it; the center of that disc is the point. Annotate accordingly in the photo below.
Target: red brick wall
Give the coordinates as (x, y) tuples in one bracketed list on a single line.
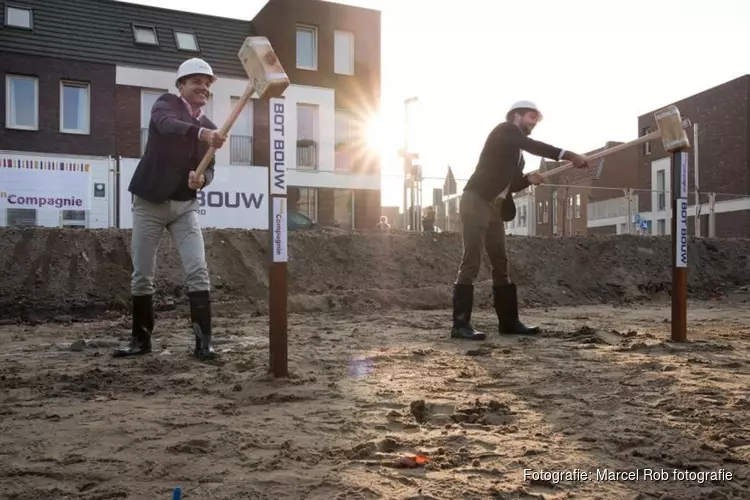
[(128, 121), (48, 139)]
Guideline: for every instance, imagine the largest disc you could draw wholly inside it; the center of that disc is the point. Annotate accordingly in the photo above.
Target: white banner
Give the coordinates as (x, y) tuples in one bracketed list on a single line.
[(44, 183), (683, 174), (279, 218), (277, 133), (682, 233), (236, 199)]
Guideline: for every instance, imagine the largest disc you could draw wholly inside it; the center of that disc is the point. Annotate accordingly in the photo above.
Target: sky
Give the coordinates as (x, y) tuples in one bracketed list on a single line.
[(592, 67)]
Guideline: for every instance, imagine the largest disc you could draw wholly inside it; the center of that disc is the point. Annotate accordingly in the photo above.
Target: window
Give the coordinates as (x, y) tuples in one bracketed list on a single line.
[(307, 47), (570, 207), (18, 17), (148, 99), (578, 206), (661, 186), (539, 213), (241, 136), (307, 136), (343, 135), (343, 213), (661, 227), (186, 41), (22, 102), (145, 34), (74, 108), (646, 145), (546, 212), (554, 212), (307, 202), (343, 53), (522, 216), (73, 219), (21, 216)]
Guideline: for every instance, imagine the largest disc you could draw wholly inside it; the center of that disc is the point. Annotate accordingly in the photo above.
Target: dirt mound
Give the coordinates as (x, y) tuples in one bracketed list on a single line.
[(46, 272)]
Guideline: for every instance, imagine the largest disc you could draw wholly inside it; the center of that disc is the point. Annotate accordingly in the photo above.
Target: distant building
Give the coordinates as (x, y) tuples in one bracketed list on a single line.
[(723, 117)]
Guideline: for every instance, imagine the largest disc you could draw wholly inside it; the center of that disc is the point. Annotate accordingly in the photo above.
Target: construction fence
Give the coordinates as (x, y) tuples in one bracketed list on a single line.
[(569, 210), (91, 192)]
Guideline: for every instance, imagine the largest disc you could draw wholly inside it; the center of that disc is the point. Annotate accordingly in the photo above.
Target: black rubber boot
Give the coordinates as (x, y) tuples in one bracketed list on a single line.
[(505, 299), (463, 303), (143, 327), (200, 319)]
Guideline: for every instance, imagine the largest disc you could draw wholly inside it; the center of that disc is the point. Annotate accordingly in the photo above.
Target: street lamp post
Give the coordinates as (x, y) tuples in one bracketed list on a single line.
[(407, 161)]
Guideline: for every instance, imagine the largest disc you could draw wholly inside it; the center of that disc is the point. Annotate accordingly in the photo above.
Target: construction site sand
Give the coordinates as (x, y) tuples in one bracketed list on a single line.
[(375, 378)]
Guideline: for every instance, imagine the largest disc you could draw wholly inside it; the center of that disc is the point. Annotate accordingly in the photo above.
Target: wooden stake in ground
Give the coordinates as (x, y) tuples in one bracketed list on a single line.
[(675, 141), (277, 225), (269, 80)]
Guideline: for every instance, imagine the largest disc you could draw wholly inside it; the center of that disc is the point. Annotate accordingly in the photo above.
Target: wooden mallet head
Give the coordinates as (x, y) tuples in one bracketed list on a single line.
[(673, 135), (264, 69)]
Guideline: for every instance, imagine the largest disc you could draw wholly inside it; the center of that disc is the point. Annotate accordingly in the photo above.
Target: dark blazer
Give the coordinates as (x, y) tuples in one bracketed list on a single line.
[(501, 164), (172, 151)]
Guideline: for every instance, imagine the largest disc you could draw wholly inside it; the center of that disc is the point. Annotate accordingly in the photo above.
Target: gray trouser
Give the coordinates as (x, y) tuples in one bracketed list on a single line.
[(180, 218), (483, 229)]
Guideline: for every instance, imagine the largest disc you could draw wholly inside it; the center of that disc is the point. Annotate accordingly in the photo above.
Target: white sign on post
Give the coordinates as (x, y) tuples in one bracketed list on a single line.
[(277, 133), (237, 198), (43, 184), (682, 232), (277, 179), (280, 253)]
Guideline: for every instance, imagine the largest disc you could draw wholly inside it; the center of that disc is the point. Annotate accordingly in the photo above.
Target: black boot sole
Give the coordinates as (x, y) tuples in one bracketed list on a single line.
[(534, 330), (458, 333), (128, 352)]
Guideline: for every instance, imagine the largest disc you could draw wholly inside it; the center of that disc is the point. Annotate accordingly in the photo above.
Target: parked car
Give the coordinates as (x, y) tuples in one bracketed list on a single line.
[(297, 221)]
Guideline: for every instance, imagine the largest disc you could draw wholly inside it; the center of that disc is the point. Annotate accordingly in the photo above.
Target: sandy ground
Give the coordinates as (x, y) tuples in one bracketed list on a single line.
[(602, 389)]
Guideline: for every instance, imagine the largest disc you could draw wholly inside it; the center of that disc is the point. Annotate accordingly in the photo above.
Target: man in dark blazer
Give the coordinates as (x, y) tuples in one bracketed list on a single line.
[(486, 204), (164, 189)]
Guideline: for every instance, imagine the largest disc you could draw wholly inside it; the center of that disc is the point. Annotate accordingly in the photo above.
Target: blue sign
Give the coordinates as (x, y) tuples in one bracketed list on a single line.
[(644, 225), (637, 218)]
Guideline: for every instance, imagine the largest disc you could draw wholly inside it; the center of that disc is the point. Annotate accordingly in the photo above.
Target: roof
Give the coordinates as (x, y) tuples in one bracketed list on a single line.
[(101, 31)]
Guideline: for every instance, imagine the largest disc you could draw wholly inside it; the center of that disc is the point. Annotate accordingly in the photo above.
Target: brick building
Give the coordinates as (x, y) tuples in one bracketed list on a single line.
[(723, 117), (89, 95), (579, 202)]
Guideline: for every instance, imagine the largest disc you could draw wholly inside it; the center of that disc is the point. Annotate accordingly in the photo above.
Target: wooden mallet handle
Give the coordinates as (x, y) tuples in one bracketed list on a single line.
[(614, 149), (224, 130)]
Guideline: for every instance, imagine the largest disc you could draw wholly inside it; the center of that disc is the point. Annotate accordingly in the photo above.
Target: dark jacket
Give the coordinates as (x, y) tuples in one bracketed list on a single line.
[(172, 151), (501, 164)]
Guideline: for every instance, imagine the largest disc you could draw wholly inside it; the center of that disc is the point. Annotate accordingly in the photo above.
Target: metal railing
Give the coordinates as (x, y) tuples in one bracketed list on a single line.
[(342, 161), (307, 157), (607, 209), (240, 150)]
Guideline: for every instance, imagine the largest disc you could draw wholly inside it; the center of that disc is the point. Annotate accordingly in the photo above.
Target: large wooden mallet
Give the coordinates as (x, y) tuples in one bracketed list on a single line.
[(671, 130), (267, 77)]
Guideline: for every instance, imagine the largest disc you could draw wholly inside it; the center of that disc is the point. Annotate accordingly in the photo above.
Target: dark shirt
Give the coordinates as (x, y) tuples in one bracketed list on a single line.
[(172, 151), (501, 162)]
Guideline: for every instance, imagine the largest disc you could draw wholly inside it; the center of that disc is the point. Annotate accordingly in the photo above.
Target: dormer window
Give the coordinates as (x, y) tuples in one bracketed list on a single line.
[(186, 40), (145, 35), (18, 17)]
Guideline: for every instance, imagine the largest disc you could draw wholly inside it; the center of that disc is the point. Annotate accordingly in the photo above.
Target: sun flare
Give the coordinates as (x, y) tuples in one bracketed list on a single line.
[(377, 136)]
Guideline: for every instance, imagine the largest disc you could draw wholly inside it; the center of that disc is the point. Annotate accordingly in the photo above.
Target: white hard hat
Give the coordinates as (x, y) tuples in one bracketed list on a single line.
[(195, 66), (525, 105)]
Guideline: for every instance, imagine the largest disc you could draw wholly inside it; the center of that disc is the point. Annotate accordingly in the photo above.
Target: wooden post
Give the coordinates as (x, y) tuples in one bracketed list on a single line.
[(679, 225), (277, 230)]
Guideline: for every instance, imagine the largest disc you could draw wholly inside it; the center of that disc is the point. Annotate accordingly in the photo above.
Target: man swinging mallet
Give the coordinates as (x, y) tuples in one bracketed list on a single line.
[(486, 204), (164, 186)]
